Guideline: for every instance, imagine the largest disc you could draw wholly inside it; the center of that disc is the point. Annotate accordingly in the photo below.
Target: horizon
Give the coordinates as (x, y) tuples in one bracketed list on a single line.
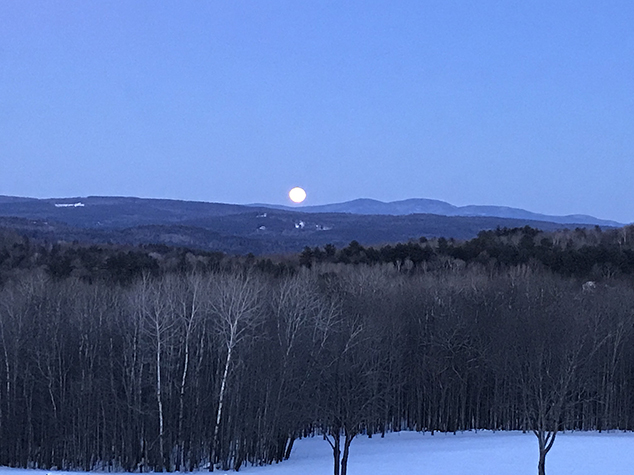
[(301, 206), (520, 105)]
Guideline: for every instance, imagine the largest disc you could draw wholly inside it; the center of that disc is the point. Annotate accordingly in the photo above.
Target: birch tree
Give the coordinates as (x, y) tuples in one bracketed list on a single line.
[(189, 307), (236, 308), (157, 311)]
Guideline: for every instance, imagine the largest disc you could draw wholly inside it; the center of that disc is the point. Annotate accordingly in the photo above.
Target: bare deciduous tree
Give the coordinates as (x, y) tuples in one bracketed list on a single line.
[(236, 308)]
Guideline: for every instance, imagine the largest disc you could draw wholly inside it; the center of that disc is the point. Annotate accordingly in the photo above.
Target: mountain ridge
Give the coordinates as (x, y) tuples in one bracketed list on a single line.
[(240, 229), (431, 206)]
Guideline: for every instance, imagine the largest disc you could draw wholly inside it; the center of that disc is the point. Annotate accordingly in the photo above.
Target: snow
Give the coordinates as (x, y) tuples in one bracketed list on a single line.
[(481, 453), (69, 205), (467, 453)]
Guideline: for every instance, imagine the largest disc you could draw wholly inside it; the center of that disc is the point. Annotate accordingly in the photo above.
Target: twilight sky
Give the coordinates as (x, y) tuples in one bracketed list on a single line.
[(519, 103)]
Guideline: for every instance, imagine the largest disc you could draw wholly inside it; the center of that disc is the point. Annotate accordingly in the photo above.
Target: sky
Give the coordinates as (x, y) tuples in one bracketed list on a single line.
[(487, 102)]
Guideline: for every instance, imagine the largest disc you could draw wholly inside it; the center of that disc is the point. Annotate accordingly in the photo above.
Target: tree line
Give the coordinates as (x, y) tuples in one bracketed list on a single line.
[(583, 253), (206, 361), (591, 254)]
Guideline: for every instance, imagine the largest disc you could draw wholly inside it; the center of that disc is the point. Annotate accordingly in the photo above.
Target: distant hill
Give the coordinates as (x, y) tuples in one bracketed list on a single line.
[(113, 212), (426, 206), (238, 229)]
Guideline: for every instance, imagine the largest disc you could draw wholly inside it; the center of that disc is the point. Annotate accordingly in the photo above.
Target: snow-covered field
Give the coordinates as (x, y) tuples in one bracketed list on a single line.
[(468, 453)]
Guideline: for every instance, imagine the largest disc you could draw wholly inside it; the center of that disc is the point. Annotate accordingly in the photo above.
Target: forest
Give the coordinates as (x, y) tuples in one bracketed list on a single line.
[(155, 358)]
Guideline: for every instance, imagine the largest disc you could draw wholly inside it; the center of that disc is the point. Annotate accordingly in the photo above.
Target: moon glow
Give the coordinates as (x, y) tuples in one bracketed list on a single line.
[(297, 195)]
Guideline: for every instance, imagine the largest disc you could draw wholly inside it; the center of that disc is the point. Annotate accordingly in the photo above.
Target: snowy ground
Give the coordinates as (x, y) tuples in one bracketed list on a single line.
[(468, 453)]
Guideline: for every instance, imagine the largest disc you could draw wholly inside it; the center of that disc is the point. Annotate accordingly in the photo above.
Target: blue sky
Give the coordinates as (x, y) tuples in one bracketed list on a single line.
[(525, 104)]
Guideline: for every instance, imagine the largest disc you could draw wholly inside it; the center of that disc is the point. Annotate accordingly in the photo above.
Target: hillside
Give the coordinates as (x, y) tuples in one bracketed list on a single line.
[(237, 229), (426, 206)]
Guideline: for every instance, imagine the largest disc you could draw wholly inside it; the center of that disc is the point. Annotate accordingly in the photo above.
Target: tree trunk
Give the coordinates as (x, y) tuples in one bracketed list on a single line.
[(336, 453), (541, 466), (289, 447), (546, 440), (159, 398), (181, 402), (223, 384), (346, 452)]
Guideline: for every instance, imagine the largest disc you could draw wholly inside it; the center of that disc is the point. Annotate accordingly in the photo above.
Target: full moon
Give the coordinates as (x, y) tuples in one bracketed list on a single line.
[(297, 195)]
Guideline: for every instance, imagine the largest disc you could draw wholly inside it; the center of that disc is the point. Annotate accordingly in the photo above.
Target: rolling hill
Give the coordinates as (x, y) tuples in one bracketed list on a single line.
[(427, 206), (259, 229)]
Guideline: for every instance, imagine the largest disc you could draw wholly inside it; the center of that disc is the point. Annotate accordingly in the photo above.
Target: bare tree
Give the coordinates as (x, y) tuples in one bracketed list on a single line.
[(352, 365), (189, 305), (156, 307), (551, 341), (302, 318), (236, 308)]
